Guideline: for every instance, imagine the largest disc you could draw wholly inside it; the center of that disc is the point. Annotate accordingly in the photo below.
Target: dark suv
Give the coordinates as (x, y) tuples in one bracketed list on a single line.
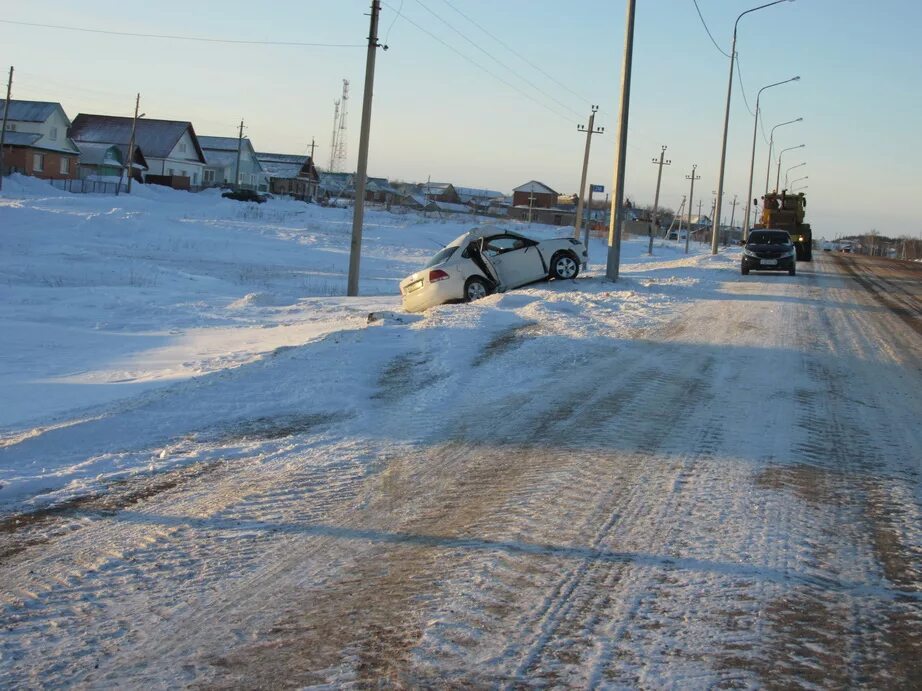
[(769, 250)]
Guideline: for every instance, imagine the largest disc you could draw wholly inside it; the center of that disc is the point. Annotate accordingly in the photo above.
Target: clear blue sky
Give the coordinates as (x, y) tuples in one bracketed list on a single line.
[(436, 113)]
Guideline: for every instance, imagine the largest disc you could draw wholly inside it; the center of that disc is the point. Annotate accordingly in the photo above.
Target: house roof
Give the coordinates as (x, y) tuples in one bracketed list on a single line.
[(436, 187), (221, 143), (534, 186), (93, 153), (156, 137), (20, 138), (283, 165), (468, 194), (29, 111)]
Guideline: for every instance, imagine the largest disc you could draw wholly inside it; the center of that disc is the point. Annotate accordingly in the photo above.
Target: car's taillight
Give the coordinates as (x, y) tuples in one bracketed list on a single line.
[(437, 275)]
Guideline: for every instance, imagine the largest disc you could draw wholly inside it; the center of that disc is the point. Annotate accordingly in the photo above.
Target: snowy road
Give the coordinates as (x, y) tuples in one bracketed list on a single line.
[(731, 498)]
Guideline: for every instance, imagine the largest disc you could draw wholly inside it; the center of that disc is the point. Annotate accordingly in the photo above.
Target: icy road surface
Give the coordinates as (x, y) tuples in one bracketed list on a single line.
[(729, 498)]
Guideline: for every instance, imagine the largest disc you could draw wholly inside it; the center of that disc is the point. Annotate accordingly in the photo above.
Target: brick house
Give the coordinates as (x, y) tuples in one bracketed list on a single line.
[(535, 194), (36, 142)]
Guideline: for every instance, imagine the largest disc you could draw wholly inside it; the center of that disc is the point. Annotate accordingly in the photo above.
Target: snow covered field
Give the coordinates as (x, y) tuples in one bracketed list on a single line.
[(685, 479), (111, 303)]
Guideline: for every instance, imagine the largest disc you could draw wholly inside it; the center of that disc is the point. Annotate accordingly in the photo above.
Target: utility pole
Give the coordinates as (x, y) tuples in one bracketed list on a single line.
[(6, 110), (733, 212), (617, 201), (691, 197), (659, 176), (358, 209), (531, 199), (589, 130), (237, 166), (313, 146), (586, 230), (134, 126)]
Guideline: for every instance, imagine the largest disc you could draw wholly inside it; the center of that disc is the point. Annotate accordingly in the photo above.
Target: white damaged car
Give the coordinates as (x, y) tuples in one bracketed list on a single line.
[(488, 260)]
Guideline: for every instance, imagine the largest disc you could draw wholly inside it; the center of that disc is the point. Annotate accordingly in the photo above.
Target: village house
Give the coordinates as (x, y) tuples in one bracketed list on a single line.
[(292, 175), (534, 194), (36, 141), (171, 147), (221, 163)]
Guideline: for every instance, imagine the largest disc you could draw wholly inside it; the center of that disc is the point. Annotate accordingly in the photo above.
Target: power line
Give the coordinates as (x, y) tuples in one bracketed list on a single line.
[(481, 67), (515, 52), (184, 38), (496, 60), (704, 24), (739, 74)]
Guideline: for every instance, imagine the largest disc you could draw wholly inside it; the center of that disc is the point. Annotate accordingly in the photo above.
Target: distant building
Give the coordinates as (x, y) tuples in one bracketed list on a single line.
[(292, 175), (171, 148), (221, 164), (535, 194), (440, 192), (478, 199), (36, 141)]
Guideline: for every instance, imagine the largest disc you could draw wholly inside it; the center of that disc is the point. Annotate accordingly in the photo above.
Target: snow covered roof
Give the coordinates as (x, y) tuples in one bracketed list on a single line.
[(220, 143), (220, 159), (156, 137), (20, 138), (468, 194), (534, 186), (29, 111), (284, 165), (435, 187), (93, 153)]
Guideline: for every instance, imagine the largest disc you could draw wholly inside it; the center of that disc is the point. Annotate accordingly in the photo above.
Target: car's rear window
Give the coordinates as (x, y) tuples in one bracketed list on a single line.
[(441, 256), (769, 238)]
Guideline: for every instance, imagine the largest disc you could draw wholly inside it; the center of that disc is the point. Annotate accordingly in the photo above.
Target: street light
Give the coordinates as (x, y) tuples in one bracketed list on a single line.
[(771, 145), (805, 177), (723, 146), (789, 170), (778, 174), (803, 187), (752, 161)]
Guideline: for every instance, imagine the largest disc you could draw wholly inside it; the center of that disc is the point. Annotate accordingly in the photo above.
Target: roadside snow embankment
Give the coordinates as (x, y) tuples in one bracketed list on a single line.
[(120, 315)]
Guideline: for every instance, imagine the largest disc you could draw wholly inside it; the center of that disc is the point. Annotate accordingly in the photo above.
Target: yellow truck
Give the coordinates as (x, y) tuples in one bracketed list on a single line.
[(783, 211)]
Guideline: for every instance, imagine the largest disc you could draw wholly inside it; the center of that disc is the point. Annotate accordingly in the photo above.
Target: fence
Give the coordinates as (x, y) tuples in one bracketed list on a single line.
[(89, 186)]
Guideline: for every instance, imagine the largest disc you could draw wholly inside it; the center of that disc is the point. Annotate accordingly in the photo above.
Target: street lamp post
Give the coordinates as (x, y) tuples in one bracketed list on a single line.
[(752, 160), (723, 146), (805, 177), (771, 146), (789, 170), (798, 189), (780, 154)]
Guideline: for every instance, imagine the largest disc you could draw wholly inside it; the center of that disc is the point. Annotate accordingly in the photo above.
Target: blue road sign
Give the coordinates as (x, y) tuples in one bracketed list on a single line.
[(597, 188)]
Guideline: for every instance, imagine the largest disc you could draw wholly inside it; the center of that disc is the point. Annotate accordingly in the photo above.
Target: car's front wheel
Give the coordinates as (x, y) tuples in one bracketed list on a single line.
[(744, 270), (564, 265), (792, 271), (476, 288)]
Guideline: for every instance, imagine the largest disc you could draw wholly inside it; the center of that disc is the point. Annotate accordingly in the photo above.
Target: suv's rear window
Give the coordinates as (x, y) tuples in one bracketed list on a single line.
[(441, 256), (762, 237)]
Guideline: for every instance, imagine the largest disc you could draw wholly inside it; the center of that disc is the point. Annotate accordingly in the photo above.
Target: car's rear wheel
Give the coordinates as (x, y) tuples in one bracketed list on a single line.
[(792, 271), (564, 265), (476, 288)]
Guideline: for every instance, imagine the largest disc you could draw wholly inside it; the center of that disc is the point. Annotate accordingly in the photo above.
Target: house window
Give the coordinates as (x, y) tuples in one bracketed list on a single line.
[(182, 147), (53, 134), (171, 172), (11, 126), (209, 177), (194, 178), (38, 162), (65, 165)]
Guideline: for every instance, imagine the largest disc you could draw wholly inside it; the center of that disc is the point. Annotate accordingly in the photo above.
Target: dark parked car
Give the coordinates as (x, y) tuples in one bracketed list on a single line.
[(769, 250), (245, 196)]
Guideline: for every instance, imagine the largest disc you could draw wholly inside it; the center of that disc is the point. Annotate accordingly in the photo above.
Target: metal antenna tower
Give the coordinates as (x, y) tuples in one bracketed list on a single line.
[(338, 145)]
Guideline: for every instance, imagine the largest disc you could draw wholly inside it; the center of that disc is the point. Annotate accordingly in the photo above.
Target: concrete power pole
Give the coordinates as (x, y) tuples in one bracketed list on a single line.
[(733, 212), (589, 130), (6, 110), (617, 201), (134, 128), (691, 197), (659, 176), (358, 210), (237, 165)]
